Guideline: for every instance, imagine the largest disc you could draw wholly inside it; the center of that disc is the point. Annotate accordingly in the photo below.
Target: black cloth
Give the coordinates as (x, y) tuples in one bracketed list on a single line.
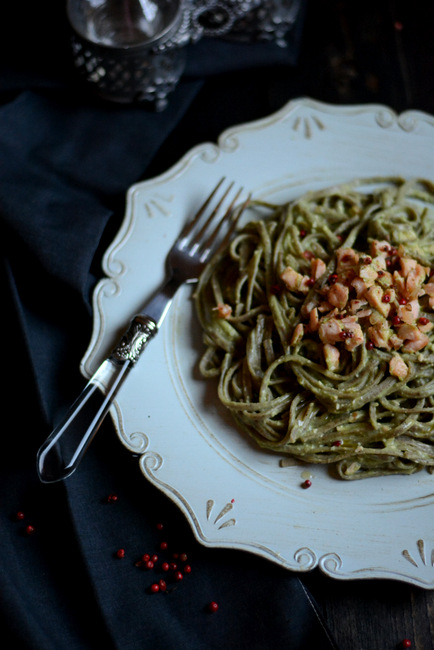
[(66, 162)]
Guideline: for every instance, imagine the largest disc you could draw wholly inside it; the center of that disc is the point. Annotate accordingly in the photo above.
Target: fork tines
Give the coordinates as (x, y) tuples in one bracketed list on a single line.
[(203, 243)]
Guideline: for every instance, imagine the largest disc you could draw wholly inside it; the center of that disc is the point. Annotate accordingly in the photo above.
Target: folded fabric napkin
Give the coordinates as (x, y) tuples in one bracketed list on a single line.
[(69, 551)]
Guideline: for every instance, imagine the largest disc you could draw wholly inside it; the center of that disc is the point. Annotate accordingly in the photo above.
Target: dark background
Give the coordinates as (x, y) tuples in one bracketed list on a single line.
[(66, 161)]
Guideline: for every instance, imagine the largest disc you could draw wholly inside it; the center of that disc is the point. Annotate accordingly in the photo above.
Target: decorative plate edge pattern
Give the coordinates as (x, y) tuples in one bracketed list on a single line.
[(426, 558), (384, 116), (331, 565), (107, 287), (305, 559)]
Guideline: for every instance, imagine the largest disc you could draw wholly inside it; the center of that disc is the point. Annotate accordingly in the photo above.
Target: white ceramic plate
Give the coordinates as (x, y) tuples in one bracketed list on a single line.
[(233, 494)]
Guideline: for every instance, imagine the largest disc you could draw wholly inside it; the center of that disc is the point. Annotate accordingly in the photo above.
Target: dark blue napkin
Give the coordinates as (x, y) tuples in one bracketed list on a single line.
[(66, 162)]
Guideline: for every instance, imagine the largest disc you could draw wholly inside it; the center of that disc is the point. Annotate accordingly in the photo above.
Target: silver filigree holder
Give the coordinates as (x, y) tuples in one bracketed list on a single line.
[(134, 50)]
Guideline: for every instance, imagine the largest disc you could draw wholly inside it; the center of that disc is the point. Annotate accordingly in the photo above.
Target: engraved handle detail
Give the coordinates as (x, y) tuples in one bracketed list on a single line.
[(133, 342)]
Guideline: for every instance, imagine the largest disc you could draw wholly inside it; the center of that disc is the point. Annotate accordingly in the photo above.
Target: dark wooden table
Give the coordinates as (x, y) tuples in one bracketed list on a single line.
[(375, 51)]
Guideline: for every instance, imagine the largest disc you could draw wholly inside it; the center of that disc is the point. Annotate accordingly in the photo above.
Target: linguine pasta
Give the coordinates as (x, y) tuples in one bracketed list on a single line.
[(318, 322)]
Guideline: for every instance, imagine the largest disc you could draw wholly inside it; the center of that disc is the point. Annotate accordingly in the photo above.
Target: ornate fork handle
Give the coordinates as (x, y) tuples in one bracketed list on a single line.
[(142, 328), (63, 450)]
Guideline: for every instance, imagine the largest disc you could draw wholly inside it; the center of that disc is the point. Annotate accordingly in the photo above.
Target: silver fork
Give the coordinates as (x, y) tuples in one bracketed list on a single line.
[(63, 450)]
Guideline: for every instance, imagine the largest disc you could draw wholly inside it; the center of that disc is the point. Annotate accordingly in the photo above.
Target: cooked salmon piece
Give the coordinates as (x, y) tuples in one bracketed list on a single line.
[(331, 356), (414, 340), (429, 288), (360, 286), (318, 268), (382, 248), (380, 337), (374, 295), (297, 334), (314, 320), (338, 295), (345, 259), (425, 327), (295, 281), (407, 264), (356, 305), (409, 312), (414, 281), (398, 367), (223, 310), (330, 330), (353, 328), (368, 273)]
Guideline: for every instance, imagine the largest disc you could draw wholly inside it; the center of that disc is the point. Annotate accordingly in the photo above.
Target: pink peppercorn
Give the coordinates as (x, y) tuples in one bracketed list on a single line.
[(213, 607), (307, 484), (406, 643), (276, 289), (120, 553)]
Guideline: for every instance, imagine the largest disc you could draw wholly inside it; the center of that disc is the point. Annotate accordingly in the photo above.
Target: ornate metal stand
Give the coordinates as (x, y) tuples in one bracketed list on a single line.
[(134, 50)]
